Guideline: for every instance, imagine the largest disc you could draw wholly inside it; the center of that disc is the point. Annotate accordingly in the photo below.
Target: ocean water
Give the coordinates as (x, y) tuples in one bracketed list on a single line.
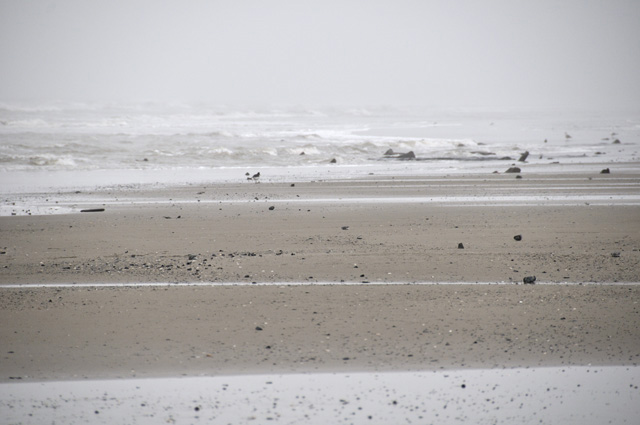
[(46, 146)]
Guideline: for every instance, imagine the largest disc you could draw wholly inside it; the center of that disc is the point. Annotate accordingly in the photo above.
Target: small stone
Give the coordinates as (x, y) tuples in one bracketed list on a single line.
[(258, 328), (518, 237), (615, 254), (605, 171), (345, 227), (529, 280), (616, 142), (523, 157), (460, 246), (513, 170), (518, 176), (271, 208), (333, 161)]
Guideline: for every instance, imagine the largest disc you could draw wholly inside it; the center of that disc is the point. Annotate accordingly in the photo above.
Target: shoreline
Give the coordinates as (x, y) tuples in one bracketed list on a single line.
[(16, 183)]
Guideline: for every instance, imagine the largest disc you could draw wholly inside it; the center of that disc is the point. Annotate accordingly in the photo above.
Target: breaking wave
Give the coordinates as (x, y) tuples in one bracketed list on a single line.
[(152, 136)]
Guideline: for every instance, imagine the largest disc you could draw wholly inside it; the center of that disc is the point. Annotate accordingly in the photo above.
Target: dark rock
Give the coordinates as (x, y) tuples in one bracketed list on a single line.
[(192, 257), (460, 246), (400, 155), (345, 227), (615, 254), (93, 210), (616, 142), (529, 280), (513, 170), (605, 171), (408, 155), (523, 157), (518, 237), (333, 161), (258, 328), (518, 176), (271, 208)]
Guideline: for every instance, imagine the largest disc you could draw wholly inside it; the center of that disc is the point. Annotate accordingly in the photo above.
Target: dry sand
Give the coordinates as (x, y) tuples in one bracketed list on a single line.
[(575, 229)]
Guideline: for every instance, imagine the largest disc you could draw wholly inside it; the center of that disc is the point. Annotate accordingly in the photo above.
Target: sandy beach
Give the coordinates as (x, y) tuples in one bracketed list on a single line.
[(361, 275), (318, 213), (363, 233)]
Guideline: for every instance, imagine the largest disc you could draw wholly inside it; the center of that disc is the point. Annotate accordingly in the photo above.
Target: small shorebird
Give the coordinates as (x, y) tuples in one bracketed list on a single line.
[(255, 177)]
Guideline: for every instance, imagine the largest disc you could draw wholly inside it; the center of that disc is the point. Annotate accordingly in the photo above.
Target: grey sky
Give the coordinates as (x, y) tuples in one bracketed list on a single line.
[(438, 53)]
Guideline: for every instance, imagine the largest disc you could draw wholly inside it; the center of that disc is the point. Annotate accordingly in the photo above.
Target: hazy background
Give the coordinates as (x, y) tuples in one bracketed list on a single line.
[(433, 53)]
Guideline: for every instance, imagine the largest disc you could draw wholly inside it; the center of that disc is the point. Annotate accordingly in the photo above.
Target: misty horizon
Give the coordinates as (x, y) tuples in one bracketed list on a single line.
[(433, 53)]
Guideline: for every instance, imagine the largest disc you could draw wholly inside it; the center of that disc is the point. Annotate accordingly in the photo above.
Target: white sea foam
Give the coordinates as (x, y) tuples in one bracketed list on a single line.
[(118, 139)]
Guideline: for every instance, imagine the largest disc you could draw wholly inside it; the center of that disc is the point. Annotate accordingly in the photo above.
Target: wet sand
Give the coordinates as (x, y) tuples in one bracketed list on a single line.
[(582, 231), (81, 333)]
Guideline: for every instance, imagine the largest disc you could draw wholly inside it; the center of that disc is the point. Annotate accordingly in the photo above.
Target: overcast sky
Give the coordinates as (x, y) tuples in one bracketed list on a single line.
[(434, 53)]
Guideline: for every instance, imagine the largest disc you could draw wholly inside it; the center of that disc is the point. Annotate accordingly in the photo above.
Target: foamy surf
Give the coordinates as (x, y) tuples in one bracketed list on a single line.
[(148, 137)]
